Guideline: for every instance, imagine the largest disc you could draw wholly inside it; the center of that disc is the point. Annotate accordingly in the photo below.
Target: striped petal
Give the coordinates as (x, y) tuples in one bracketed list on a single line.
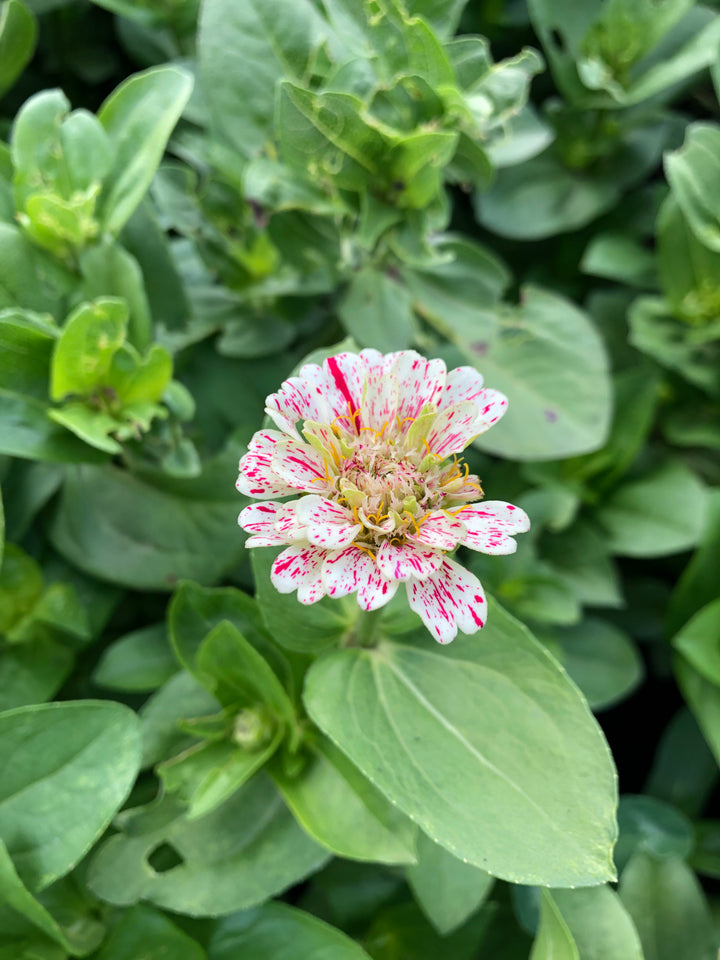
[(300, 466), (405, 561), (327, 524), (380, 401), (489, 526), (453, 429), (449, 600), (439, 530), (354, 571), (300, 568), (257, 477)]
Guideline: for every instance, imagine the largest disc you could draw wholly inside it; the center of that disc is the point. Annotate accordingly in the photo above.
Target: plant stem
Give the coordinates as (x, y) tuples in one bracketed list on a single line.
[(367, 627)]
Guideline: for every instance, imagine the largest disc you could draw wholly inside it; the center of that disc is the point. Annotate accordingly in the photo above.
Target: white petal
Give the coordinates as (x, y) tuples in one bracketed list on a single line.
[(261, 519), (403, 561), (380, 401), (257, 478), (453, 429), (354, 571), (300, 568), (328, 524), (492, 405), (310, 396), (439, 530), (462, 384), (490, 524), (449, 600), (421, 381), (300, 466)]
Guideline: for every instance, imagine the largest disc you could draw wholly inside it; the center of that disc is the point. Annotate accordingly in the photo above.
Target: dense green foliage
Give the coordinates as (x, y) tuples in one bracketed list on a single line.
[(193, 198)]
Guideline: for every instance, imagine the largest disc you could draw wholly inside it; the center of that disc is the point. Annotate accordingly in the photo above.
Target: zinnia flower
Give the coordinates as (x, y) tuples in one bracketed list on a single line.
[(368, 444)]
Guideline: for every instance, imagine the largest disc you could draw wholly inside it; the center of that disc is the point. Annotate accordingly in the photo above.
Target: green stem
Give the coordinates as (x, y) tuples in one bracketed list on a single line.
[(367, 628)]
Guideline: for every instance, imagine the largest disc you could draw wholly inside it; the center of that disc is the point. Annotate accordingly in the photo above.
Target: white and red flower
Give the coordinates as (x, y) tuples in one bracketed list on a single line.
[(368, 444)]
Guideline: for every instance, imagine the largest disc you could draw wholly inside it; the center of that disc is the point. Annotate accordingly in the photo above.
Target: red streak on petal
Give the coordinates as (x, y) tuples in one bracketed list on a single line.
[(341, 384)]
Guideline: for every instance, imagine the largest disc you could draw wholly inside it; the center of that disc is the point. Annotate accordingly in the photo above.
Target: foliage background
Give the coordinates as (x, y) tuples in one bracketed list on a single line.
[(279, 176)]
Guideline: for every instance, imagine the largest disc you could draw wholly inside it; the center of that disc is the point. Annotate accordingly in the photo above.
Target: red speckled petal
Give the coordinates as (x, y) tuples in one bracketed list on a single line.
[(421, 381), (354, 571), (440, 531), (490, 524), (492, 405), (406, 561), (300, 568), (327, 524), (271, 524), (300, 466), (257, 478), (449, 600), (453, 429), (462, 384)]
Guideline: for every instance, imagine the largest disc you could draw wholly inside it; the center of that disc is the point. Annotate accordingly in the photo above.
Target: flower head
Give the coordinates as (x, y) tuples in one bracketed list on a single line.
[(369, 446)]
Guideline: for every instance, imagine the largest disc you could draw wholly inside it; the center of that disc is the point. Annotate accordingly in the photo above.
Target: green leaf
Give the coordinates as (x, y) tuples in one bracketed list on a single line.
[(26, 430), (637, 519), (554, 940), (84, 351), (448, 890), (703, 698), (239, 855), (147, 535), (25, 351), (601, 659), (78, 763), (377, 311), (698, 584), (326, 135), (693, 174), (667, 906), (688, 269), (649, 824), (180, 698), (205, 776), (277, 931), (28, 277), (548, 359), (22, 917), (238, 675), (684, 771), (699, 641), (195, 611), (18, 33), (616, 256), (343, 810), (147, 933), (139, 117), (92, 426), (304, 629), (470, 774), (599, 924), (278, 38), (110, 271), (139, 662)]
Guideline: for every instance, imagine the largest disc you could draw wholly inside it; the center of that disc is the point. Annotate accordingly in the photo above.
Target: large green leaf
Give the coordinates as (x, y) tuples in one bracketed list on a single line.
[(273, 40), (547, 358), (693, 173), (279, 932), (377, 311), (698, 584), (239, 855), (139, 117), (466, 740), (699, 641), (703, 698), (138, 662), (117, 527), (58, 794)]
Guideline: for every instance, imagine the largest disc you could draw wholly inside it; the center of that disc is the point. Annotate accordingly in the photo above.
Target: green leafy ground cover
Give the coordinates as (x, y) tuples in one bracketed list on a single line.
[(193, 198)]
